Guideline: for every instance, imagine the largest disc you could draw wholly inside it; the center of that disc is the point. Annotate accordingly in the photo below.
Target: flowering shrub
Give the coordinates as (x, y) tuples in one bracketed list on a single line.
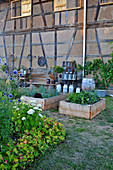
[(32, 134), (26, 117), (24, 132)]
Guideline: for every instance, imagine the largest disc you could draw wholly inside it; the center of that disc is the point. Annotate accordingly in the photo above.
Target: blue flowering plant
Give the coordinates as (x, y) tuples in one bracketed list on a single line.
[(4, 67)]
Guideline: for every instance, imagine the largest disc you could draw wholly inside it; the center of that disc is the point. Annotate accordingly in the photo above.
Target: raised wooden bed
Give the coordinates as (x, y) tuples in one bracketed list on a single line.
[(83, 111), (47, 103)]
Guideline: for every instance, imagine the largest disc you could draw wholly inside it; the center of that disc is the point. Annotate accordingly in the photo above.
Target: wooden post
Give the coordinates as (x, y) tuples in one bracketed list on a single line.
[(43, 15), (98, 44), (76, 11), (53, 17), (21, 21), (97, 11), (72, 40), (22, 51), (13, 50), (6, 19), (55, 57), (5, 50), (31, 50), (31, 17)]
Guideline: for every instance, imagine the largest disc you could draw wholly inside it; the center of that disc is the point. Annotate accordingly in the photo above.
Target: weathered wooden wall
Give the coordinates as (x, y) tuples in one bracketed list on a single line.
[(10, 44)]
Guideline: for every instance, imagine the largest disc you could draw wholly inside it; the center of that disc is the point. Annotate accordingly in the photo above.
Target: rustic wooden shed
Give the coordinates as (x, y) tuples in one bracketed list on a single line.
[(55, 30)]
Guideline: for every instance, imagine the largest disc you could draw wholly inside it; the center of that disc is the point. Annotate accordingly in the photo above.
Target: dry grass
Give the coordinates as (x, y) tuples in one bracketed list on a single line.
[(88, 144)]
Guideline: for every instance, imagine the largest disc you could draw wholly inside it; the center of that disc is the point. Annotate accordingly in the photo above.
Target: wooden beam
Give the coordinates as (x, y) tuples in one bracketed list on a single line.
[(31, 50), (43, 48), (43, 15), (21, 21), (5, 50), (98, 44), (76, 11), (6, 19), (53, 16), (79, 26), (55, 57), (72, 40), (15, 16), (22, 51), (97, 11), (31, 17), (13, 50)]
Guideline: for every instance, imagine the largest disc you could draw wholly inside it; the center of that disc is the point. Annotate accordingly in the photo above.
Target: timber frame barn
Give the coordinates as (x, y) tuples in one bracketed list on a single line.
[(58, 30)]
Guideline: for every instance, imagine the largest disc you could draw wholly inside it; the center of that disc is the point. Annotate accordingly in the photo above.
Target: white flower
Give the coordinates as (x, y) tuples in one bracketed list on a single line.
[(39, 105), (1, 146), (22, 98), (32, 101), (17, 109), (30, 112), (40, 109), (14, 107), (40, 115), (33, 104), (35, 108), (23, 118)]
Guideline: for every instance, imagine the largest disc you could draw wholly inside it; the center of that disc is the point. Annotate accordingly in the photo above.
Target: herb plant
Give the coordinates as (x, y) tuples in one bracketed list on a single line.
[(83, 98)]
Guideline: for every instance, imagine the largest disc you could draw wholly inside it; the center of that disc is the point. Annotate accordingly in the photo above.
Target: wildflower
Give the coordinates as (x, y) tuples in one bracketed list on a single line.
[(17, 108), (6, 161), (39, 105), (43, 133), (4, 94), (6, 71), (40, 115), (20, 74), (14, 71), (35, 108), (19, 100), (1, 146), (22, 98), (0, 60), (30, 112), (10, 78), (3, 100), (5, 64), (14, 107), (10, 101), (8, 75), (23, 118), (10, 96), (40, 109)]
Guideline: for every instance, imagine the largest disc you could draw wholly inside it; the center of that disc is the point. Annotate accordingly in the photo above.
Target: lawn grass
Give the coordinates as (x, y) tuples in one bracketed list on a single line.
[(88, 144)]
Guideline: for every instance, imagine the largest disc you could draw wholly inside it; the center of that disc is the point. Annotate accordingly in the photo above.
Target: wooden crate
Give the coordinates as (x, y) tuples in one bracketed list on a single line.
[(83, 111), (47, 103)]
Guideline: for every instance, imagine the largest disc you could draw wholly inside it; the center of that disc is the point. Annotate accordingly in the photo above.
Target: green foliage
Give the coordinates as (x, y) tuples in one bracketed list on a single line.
[(4, 67), (5, 118), (83, 98), (102, 72), (44, 91), (28, 134), (58, 69)]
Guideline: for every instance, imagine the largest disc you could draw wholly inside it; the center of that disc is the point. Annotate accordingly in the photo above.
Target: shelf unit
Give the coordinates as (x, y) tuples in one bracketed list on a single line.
[(70, 75)]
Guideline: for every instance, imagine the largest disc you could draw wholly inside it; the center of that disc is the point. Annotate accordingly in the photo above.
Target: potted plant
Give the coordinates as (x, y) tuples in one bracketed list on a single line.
[(59, 71)]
